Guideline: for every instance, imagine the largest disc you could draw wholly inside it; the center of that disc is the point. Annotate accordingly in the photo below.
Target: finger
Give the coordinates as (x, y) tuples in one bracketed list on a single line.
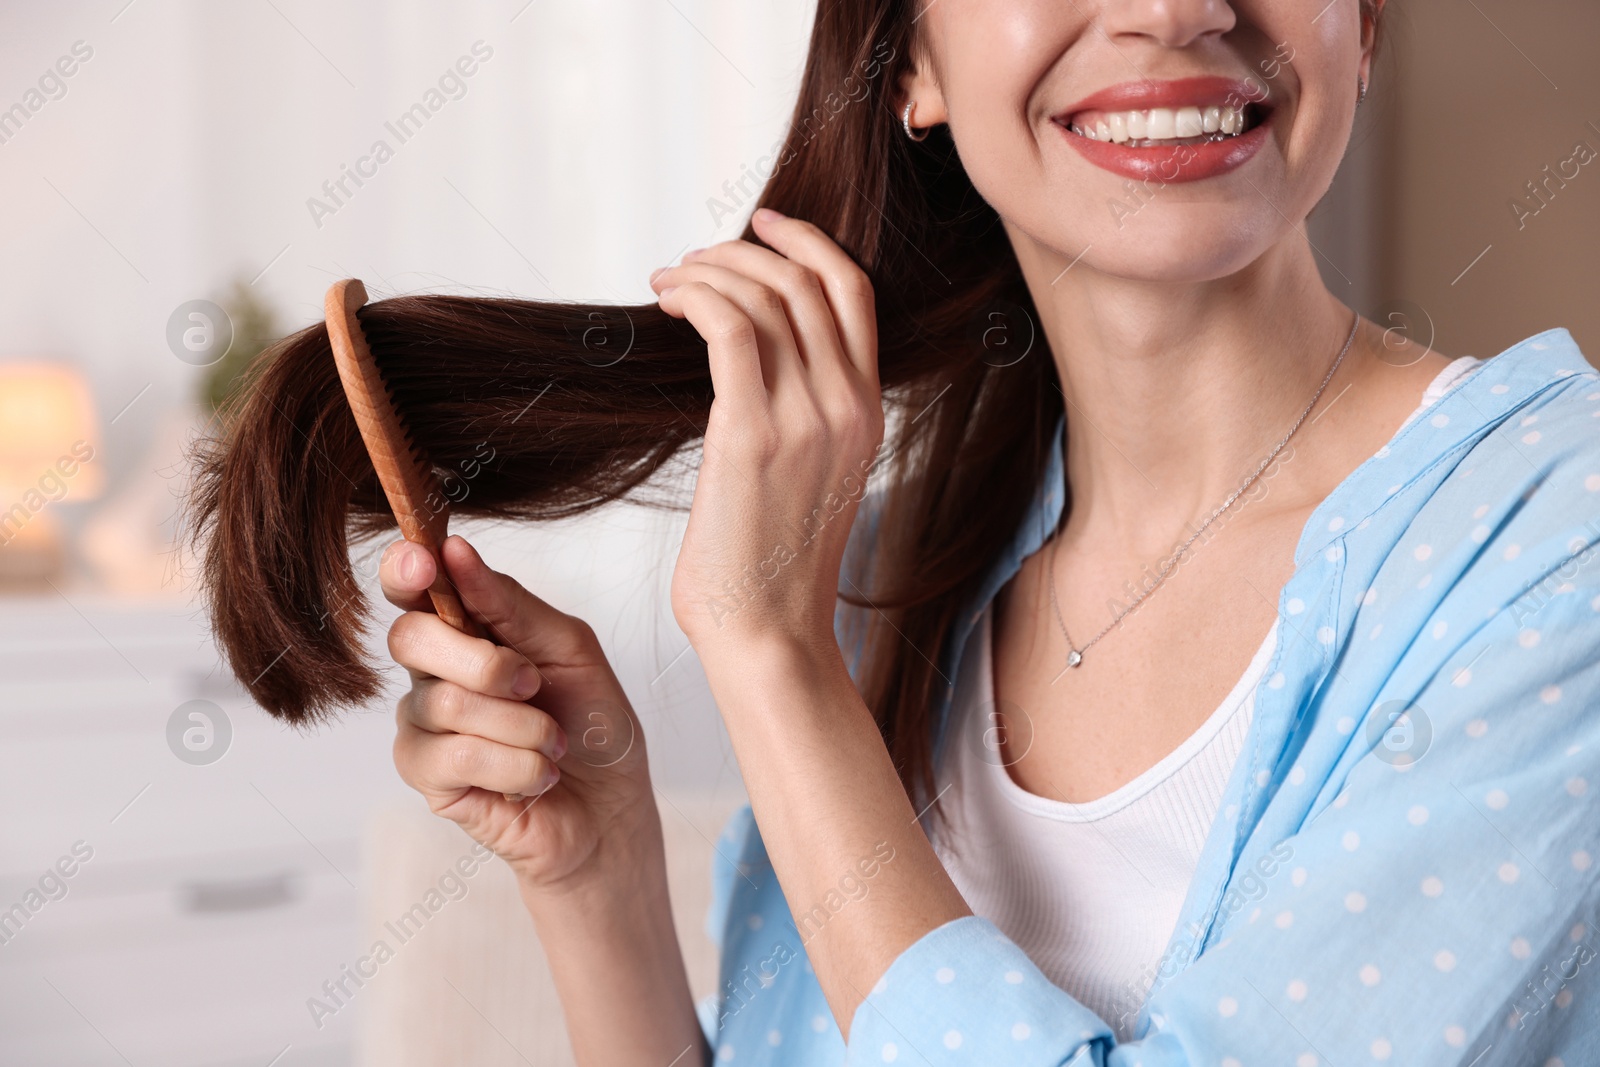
[(426, 644), (515, 617), (444, 763), (405, 572), (846, 285), (730, 336), (781, 361), (835, 389), (797, 285), (442, 707)]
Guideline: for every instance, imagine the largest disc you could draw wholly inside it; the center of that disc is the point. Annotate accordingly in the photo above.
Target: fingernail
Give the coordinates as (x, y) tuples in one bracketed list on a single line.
[(663, 294), (526, 682), (551, 778), (408, 564), (560, 747), (766, 214), (692, 253), (657, 273)]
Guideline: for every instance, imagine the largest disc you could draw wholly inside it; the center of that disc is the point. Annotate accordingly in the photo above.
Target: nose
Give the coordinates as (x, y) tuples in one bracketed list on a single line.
[(1170, 23)]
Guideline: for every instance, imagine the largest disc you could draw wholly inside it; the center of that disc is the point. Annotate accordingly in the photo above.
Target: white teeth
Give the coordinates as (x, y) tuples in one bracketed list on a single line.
[(1163, 124)]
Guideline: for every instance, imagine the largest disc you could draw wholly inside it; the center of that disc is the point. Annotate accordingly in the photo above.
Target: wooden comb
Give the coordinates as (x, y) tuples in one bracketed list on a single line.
[(420, 507), (415, 496)]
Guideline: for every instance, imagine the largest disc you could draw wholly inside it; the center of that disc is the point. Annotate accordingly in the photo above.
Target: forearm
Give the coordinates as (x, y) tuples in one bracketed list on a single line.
[(833, 814), (617, 965)]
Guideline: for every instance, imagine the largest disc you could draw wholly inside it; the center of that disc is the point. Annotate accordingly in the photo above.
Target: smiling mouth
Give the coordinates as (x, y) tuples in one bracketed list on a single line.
[(1166, 127)]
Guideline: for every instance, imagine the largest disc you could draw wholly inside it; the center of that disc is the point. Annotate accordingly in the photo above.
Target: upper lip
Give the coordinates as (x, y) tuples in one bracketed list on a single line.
[(1207, 91)]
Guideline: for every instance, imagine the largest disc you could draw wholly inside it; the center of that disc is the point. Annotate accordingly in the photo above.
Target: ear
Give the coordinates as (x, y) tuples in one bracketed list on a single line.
[(920, 86), (1371, 13)]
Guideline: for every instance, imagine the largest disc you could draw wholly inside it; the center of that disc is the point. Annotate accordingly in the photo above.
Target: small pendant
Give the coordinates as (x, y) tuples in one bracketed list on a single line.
[(1074, 658)]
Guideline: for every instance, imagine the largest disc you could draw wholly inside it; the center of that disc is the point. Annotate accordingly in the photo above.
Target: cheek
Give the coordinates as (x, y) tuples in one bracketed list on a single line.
[(1309, 54), (1313, 131), (991, 55), (992, 60)]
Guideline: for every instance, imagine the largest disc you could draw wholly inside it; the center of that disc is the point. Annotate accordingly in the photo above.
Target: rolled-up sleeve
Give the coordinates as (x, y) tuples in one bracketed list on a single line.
[(964, 994)]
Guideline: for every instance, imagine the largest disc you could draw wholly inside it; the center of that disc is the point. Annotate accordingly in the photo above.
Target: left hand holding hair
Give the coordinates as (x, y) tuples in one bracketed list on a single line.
[(794, 431)]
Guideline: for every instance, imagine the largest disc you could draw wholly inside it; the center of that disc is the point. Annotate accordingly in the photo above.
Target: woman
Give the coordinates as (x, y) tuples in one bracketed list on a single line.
[(1257, 736)]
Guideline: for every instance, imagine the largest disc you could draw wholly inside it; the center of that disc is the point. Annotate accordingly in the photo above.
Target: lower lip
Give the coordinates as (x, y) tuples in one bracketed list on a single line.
[(1179, 163)]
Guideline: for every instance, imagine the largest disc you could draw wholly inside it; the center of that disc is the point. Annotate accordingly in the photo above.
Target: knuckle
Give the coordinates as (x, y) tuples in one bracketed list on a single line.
[(582, 633), (537, 770), (864, 419), (548, 730), (500, 606), (403, 638), (405, 707), (810, 428), (405, 756), (486, 666), (736, 331), (464, 758), (856, 285), (846, 421), (448, 706), (759, 441), (800, 278), (817, 436), (765, 299)]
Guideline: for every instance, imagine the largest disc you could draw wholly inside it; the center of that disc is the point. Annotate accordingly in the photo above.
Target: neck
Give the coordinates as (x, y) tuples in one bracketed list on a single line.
[(1175, 392)]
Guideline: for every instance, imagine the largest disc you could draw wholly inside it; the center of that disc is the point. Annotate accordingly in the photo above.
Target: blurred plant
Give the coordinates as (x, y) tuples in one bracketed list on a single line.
[(255, 326)]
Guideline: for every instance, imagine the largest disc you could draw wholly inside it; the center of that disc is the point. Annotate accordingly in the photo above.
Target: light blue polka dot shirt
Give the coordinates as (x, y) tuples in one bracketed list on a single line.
[(1402, 870)]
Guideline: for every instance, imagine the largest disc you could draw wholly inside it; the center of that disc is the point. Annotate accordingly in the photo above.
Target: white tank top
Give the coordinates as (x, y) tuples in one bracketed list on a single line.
[(1092, 891)]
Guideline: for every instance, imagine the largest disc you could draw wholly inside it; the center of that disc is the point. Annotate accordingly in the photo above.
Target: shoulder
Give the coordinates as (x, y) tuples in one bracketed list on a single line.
[(1534, 473), (1491, 529), (1481, 514), (1503, 468)]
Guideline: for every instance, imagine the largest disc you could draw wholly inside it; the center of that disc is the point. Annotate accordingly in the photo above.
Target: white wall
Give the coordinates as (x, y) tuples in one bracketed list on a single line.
[(181, 156), (185, 149)]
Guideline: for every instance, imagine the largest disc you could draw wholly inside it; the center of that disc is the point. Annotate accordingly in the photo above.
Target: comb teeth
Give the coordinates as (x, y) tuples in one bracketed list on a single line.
[(407, 477), (417, 454), (405, 472)]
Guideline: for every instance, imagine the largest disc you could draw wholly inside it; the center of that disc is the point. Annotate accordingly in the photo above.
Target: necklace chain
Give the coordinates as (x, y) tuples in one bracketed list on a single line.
[(1075, 653)]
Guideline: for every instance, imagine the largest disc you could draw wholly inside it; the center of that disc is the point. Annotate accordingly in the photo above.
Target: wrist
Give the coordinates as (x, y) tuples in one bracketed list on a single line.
[(766, 658), (627, 842), (612, 949)]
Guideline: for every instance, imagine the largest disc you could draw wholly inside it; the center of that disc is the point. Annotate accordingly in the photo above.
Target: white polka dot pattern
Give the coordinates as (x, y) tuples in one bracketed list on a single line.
[(1398, 896)]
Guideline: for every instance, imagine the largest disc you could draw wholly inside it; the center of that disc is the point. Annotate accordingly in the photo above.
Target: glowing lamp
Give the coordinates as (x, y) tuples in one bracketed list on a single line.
[(47, 456)]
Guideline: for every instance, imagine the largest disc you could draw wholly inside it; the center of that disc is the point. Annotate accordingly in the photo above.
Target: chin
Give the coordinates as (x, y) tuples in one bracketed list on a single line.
[(1193, 241)]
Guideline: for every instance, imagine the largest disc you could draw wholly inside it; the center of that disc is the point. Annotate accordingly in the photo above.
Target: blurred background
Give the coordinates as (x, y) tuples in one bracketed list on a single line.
[(171, 172)]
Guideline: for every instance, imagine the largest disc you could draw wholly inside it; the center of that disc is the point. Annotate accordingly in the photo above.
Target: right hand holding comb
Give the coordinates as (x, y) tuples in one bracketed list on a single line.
[(482, 721)]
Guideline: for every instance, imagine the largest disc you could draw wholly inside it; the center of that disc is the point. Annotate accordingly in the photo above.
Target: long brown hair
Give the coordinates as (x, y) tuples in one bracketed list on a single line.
[(528, 411)]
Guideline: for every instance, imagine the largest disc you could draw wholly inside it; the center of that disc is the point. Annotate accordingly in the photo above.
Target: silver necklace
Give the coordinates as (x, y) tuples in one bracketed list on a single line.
[(1074, 652)]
